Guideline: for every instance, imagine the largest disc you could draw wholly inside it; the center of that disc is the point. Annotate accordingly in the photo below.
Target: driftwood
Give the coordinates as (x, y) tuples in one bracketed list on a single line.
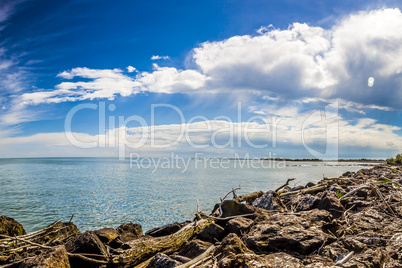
[(145, 247), (310, 190), (284, 185), (200, 259)]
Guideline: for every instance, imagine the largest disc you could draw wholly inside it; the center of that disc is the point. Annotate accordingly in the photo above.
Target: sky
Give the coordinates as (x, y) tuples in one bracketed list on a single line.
[(293, 79)]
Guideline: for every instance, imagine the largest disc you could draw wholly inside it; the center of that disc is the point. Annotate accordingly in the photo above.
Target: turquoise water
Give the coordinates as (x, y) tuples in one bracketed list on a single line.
[(106, 192)]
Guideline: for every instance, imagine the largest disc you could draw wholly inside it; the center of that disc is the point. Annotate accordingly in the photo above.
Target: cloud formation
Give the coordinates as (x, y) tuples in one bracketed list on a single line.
[(292, 64), (157, 57)]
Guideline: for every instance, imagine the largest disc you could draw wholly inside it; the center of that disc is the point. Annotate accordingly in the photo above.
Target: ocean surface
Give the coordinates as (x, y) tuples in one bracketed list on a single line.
[(107, 192)]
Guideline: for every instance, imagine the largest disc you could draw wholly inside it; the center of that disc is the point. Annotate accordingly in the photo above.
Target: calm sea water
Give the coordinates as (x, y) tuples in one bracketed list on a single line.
[(106, 192)]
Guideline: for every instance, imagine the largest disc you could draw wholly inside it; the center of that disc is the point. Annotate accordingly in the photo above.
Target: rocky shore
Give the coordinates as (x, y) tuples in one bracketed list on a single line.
[(351, 221)]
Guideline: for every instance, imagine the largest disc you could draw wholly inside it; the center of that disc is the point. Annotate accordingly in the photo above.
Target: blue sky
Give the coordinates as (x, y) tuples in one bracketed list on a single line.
[(232, 77)]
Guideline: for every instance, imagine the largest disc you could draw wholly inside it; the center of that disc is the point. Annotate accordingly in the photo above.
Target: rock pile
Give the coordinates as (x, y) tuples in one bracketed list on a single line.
[(351, 221)]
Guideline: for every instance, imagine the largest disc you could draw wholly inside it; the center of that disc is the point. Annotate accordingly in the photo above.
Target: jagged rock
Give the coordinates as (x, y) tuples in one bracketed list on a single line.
[(119, 241), (330, 202), (304, 202), (343, 245), (164, 230), (270, 201), (281, 259), (212, 233), (194, 248), (163, 261), (232, 245), (87, 242), (238, 226), (106, 234), (54, 258), (10, 227), (133, 228), (302, 234), (62, 231)]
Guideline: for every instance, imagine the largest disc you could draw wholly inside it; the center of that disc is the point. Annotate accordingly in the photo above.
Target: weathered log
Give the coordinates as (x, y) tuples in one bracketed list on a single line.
[(310, 190), (144, 248)]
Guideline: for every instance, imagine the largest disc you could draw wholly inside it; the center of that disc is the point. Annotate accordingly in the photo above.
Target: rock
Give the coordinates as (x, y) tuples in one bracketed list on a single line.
[(231, 245), (106, 234), (194, 248), (302, 234), (54, 258), (163, 261), (87, 242), (65, 230), (238, 226), (133, 228), (330, 202), (119, 241), (212, 233), (297, 188), (164, 230), (343, 245), (310, 184), (10, 227), (304, 202), (281, 259), (269, 201)]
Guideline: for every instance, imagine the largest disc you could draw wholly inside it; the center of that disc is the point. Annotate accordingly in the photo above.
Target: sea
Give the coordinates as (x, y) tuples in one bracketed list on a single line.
[(107, 192)]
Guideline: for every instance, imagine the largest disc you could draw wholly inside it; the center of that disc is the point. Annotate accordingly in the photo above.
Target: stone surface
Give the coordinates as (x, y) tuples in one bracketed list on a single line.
[(302, 233), (163, 261), (194, 248), (106, 234), (133, 228), (238, 226), (330, 202), (10, 227), (212, 233), (54, 258), (269, 201), (164, 230)]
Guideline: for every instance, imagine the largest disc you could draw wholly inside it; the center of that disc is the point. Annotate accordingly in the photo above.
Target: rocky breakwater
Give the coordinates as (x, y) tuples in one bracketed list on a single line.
[(351, 221)]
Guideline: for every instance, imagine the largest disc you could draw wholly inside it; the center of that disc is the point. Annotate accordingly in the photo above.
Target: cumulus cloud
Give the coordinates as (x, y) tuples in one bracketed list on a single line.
[(297, 63), (131, 69), (157, 57)]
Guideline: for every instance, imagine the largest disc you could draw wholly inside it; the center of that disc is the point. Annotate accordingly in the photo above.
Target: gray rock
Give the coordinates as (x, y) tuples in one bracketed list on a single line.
[(163, 261), (269, 201)]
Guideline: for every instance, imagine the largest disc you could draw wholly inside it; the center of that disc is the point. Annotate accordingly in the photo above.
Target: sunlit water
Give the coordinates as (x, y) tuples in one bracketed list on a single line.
[(106, 192)]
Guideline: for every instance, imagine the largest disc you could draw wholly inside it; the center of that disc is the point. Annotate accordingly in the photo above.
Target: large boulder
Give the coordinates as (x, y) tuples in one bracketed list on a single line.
[(165, 230), (302, 233), (10, 227), (106, 234), (269, 201), (132, 228), (163, 261), (194, 248), (54, 258), (238, 226), (87, 242), (212, 233), (330, 202)]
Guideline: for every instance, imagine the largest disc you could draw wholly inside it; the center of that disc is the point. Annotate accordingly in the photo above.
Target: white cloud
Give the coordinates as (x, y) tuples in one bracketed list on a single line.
[(131, 69), (292, 64), (157, 57)]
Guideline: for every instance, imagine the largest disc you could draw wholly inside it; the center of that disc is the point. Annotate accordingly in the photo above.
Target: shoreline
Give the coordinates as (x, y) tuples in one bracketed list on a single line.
[(317, 225)]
